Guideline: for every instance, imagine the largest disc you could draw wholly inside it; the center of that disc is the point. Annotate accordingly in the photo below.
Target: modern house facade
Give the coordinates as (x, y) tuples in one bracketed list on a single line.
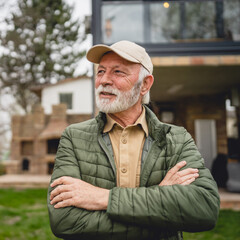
[(195, 49)]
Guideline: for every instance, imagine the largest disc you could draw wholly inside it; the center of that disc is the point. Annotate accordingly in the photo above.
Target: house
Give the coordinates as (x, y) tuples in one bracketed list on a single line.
[(76, 93), (35, 137), (195, 48)]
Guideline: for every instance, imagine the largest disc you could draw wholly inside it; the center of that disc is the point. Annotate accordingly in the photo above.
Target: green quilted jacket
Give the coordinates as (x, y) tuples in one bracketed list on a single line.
[(146, 212)]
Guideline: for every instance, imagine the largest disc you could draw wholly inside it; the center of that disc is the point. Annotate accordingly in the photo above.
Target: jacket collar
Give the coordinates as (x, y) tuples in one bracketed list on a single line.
[(141, 121), (157, 130)]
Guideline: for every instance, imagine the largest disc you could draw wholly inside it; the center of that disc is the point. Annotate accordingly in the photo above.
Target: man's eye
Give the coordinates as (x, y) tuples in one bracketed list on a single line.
[(100, 72), (118, 71)]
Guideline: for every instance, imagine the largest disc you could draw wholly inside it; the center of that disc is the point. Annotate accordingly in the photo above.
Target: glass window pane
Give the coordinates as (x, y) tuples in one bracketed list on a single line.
[(122, 21), (67, 99), (164, 23), (177, 21), (197, 21), (232, 19)]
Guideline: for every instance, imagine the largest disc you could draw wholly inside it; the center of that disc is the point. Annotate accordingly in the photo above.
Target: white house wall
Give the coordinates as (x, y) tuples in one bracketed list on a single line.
[(82, 96)]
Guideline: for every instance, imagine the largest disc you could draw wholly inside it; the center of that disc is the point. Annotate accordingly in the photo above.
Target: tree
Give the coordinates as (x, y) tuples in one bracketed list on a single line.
[(40, 45), (8, 107)]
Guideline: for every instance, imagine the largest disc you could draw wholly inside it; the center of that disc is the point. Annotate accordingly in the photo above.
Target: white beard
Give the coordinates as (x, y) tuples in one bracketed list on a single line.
[(122, 102)]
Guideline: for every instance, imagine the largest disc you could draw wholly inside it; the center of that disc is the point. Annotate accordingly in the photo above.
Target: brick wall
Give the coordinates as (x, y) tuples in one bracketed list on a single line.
[(204, 107), (27, 142), (189, 109)]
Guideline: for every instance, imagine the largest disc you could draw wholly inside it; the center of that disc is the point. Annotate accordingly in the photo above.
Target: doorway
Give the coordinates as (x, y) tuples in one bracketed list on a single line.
[(50, 167), (206, 139), (25, 164)]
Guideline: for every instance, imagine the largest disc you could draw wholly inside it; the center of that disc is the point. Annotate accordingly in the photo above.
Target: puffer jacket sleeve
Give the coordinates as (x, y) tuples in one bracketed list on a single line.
[(189, 208), (72, 222)]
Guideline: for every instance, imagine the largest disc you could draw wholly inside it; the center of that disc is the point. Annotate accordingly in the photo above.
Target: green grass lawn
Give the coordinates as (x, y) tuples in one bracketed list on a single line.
[(228, 228), (24, 216)]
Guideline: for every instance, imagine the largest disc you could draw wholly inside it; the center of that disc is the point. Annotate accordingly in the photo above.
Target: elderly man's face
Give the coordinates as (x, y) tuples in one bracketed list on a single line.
[(116, 84)]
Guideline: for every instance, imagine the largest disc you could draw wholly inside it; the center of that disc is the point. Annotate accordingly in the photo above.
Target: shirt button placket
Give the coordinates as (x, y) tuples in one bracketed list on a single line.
[(124, 161)]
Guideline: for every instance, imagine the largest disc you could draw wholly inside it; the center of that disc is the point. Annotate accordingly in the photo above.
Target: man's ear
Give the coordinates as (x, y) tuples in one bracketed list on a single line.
[(147, 84)]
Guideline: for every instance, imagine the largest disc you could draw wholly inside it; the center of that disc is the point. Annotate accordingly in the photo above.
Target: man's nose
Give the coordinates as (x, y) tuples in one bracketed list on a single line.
[(106, 80)]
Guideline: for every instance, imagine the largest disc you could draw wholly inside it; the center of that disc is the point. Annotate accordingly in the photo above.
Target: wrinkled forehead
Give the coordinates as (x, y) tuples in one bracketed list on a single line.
[(112, 57)]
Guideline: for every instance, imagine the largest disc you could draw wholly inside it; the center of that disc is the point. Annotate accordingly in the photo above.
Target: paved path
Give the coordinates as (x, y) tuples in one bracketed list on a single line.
[(228, 200), (24, 181)]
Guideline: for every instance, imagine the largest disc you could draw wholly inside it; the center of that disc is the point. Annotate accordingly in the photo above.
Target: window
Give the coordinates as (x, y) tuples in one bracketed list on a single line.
[(122, 21), (66, 98), (52, 146), (179, 21), (27, 148)]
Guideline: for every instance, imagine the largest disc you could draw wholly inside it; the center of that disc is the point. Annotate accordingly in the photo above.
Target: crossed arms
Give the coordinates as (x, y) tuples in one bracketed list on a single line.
[(75, 192), (185, 200)]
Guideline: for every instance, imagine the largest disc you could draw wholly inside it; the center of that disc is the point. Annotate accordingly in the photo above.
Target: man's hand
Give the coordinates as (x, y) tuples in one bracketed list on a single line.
[(184, 177), (75, 192)]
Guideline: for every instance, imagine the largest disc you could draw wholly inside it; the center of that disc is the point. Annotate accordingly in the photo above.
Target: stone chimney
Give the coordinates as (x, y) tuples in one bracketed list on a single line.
[(16, 126), (57, 122), (38, 118)]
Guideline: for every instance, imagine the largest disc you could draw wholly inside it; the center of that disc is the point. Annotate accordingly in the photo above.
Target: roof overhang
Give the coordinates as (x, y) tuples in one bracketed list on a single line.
[(178, 77)]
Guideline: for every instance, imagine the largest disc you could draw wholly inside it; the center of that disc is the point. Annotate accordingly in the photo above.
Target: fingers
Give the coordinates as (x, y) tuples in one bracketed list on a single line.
[(171, 174), (176, 168), (61, 197), (63, 194), (187, 176), (187, 179), (62, 184), (187, 171), (58, 190), (61, 180), (183, 177), (64, 203)]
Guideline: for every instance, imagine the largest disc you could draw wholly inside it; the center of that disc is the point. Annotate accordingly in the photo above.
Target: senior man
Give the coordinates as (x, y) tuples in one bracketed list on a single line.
[(125, 174)]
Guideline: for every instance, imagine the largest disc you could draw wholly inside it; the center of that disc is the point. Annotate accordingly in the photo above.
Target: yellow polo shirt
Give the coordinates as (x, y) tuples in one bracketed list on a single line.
[(127, 146)]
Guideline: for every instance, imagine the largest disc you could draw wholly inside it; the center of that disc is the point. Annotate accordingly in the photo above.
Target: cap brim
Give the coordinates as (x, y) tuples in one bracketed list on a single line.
[(96, 52)]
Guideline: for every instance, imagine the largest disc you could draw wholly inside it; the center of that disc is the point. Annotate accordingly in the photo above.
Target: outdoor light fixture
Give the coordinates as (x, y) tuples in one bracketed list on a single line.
[(166, 4)]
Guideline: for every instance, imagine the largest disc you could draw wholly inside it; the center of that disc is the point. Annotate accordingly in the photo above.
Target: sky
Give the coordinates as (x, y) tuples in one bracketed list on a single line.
[(82, 7)]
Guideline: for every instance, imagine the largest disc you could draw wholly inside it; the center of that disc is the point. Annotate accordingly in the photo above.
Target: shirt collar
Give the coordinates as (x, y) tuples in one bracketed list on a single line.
[(140, 121)]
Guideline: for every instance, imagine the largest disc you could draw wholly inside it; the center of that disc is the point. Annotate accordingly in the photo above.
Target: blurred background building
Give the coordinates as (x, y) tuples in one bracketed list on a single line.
[(35, 137), (195, 49)]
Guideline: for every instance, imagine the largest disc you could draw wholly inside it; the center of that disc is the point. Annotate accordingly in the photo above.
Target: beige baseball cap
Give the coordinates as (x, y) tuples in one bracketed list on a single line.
[(125, 49)]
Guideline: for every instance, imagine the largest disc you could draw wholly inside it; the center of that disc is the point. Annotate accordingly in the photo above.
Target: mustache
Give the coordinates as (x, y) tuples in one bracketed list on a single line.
[(108, 89)]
